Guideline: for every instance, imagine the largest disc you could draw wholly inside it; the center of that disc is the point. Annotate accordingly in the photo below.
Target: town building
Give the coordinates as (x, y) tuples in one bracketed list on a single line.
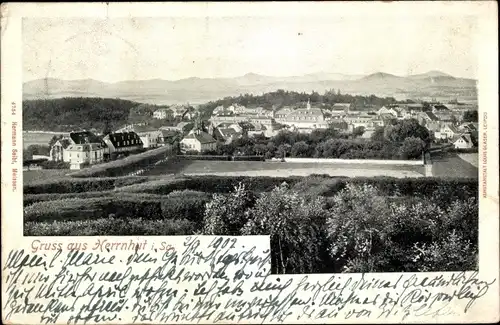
[(123, 142), (83, 155), (385, 110), (226, 135), (199, 141), (463, 141), (150, 136), (163, 114), (447, 132), (306, 118), (168, 138)]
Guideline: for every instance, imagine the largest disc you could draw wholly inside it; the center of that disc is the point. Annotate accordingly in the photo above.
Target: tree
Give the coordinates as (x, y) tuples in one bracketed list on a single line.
[(471, 116), (226, 214), (378, 134), (294, 226), (36, 149), (54, 139), (283, 150), (357, 226), (300, 149), (411, 148), (107, 128), (407, 128), (358, 131)]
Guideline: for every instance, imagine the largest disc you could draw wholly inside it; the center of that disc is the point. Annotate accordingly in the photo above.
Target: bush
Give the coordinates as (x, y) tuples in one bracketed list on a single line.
[(209, 184), (80, 185), (124, 166), (453, 253), (204, 157), (93, 208), (111, 227), (186, 204), (248, 158), (55, 165)]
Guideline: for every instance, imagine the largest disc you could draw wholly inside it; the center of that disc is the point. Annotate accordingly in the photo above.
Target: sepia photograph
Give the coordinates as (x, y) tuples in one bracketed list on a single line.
[(352, 143)]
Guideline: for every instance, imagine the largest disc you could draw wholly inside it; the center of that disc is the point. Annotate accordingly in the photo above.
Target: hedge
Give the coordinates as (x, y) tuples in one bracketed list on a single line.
[(210, 184), (93, 208), (446, 190), (463, 150), (77, 185), (124, 166), (29, 199), (249, 158), (204, 157), (111, 227), (188, 205)]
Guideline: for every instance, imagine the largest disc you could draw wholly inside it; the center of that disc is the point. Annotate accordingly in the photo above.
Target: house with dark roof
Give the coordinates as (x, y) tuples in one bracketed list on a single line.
[(123, 142), (168, 138), (439, 108), (226, 134), (150, 136), (198, 140)]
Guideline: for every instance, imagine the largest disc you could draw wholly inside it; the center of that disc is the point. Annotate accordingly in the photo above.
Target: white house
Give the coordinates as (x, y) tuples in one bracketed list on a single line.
[(81, 155), (385, 110), (449, 131), (463, 142), (163, 113), (306, 118), (198, 140)]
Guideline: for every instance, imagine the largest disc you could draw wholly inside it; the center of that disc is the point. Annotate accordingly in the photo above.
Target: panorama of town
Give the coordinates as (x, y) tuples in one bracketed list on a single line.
[(451, 125)]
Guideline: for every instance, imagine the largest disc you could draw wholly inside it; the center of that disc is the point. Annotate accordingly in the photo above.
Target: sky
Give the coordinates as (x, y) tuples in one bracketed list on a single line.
[(117, 49)]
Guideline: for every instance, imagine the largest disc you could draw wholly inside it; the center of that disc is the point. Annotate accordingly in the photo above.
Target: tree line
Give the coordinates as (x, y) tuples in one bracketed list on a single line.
[(400, 139)]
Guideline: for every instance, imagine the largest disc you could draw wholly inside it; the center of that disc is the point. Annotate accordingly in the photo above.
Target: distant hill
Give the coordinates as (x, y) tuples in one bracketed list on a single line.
[(77, 113), (200, 90), (382, 76)]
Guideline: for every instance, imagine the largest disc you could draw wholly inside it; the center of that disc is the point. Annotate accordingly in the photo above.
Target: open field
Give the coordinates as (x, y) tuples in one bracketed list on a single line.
[(31, 176), (41, 138), (279, 169), (471, 158), (451, 165)]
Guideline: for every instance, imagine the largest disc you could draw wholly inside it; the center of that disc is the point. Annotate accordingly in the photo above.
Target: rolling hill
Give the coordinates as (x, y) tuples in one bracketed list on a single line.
[(199, 90)]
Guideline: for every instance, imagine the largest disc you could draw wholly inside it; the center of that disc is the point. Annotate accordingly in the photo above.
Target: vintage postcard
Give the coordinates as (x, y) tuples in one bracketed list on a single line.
[(250, 162)]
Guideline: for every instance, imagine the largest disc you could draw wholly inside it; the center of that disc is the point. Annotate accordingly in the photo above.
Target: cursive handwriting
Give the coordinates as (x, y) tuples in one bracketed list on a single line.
[(214, 280)]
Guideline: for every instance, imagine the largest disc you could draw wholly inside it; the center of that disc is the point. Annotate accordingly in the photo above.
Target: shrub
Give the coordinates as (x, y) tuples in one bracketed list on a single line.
[(92, 208), (55, 165), (295, 229), (110, 227), (77, 185), (186, 204), (453, 253), (124, 166)]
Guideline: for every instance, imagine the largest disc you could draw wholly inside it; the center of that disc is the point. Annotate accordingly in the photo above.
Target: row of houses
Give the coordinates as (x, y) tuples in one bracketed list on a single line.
[(174, 111), (85, 148)]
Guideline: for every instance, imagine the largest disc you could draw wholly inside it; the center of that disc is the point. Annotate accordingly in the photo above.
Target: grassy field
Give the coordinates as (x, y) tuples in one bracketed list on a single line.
[(471, 158), (36, 138), (260, 168), (451, 165), (32, 176)]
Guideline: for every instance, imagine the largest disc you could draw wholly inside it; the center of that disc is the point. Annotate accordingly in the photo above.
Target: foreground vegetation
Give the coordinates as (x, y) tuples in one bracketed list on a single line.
[(339, 224)]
